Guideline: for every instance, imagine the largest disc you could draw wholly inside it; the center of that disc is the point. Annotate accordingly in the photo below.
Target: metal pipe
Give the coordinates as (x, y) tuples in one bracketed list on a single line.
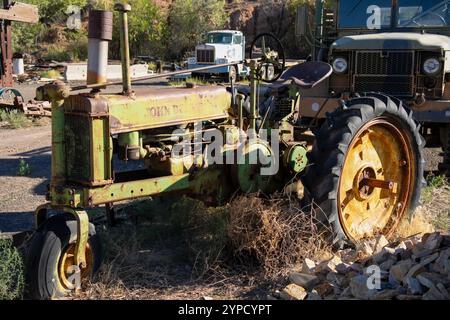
[(152, 77), (100, 33), (123, 9), (253, 95)]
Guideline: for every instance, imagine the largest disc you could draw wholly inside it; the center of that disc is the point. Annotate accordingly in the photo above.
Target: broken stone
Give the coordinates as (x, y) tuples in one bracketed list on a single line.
[(433, 294), (380, 243), (426, 282), (400, 248), (347, 292), (413, 285), (335, 279), (308, 266), (342, 268), (409, 244), (324, 289), (329, 266), (271, 298), (306, 281), (293, 292), (347, 255), (415, 270), (387, 265), (360, 289), (442, 261), (432, 241), (356, 267), (385, 295), (443, 291), (314, 296), (399, 271)]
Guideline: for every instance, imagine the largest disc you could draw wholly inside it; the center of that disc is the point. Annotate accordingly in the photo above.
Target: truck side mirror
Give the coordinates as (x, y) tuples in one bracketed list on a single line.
[(302, 20)]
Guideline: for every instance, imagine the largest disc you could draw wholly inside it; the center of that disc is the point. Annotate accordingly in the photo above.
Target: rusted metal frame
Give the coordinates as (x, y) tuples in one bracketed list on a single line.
[(90, 197), (82, 235)]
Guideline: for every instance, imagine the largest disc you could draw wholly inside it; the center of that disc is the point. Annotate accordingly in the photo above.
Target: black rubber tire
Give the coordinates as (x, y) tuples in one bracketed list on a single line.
[(44, 255), (322, 177)]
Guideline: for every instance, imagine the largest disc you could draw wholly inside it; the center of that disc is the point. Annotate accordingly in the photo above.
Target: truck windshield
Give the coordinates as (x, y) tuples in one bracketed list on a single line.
[(365, 14), (377, 14), (220, 38), (429, 13)]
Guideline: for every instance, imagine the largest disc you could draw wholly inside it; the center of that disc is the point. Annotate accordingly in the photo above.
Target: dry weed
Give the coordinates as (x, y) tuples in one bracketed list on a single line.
[(276, 233)]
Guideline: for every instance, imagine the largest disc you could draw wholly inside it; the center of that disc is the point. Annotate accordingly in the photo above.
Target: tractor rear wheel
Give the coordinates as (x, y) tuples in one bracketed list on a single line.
[(50, 265), (366, 168)]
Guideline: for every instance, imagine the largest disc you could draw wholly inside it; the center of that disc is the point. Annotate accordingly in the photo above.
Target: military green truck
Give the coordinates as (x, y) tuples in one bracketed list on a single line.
[(399, 48)]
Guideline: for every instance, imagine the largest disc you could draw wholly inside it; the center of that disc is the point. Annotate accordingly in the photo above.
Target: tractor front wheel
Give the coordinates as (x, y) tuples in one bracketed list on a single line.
[(366, 168), (51, 270)]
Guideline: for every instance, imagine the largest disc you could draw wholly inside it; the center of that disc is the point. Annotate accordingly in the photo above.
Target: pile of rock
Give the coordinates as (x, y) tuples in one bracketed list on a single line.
[(417, 268)]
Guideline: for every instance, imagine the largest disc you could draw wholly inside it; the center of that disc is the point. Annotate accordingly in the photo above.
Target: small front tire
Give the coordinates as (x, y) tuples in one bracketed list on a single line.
[(50, 260)]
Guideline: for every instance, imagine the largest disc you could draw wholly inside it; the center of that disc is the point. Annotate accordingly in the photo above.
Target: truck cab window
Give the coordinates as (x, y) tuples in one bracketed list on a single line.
[(417, 14), (220, 38), (365, 14), (237, 40)]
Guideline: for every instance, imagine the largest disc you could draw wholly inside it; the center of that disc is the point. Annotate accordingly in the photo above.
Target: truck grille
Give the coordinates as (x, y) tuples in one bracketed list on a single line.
[(205, 56), (390, 72)]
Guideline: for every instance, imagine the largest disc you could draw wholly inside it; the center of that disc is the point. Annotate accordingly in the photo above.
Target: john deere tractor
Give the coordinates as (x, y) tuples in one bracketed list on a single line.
[(362, 166)]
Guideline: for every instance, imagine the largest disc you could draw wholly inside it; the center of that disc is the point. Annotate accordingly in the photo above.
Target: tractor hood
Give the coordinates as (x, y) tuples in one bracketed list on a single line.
[(393, 41)]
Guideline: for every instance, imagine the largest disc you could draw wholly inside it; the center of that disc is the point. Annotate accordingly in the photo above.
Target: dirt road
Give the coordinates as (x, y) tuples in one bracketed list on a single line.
[(19, 196)]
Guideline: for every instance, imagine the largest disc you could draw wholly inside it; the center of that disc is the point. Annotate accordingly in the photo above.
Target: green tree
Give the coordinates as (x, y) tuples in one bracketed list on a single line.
[(146, 29), (189, 20)]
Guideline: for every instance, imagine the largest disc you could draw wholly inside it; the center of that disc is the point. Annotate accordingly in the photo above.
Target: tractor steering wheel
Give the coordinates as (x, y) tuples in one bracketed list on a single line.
[(269, 52)]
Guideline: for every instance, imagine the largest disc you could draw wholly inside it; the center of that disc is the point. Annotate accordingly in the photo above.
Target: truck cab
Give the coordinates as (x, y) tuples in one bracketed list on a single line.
[(221, 47), (399, 48)]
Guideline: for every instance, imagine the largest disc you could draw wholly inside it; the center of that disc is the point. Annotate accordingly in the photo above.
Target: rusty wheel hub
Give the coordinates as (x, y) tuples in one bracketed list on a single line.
[(66, 267), (376, 180)]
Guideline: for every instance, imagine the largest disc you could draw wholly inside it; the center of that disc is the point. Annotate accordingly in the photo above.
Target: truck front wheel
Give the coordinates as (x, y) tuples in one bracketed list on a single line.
[(366, 169)]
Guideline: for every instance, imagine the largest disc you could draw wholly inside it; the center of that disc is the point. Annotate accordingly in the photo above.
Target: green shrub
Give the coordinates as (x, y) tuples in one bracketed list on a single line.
[(24, 168), (11, 272), (14, 118)]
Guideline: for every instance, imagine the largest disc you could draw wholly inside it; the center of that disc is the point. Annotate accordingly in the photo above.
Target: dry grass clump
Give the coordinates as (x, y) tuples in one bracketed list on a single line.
[(276, 233), (433, 214)]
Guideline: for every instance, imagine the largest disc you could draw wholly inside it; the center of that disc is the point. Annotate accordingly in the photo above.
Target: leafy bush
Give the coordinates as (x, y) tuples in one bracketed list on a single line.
[(15, 118), (11, 272), (24, 168)]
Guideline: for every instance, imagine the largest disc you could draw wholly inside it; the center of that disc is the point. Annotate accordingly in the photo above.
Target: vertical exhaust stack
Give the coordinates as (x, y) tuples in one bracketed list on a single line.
[(100, 34), (123, 9)]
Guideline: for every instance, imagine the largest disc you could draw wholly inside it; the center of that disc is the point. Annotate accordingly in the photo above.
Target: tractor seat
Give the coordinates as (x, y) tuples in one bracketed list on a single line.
[(305, 76)]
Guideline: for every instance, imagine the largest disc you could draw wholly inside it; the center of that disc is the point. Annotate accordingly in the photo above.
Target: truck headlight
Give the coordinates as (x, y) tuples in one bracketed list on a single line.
[(192, 61), (222, 61), (432, 66), (340, 65)]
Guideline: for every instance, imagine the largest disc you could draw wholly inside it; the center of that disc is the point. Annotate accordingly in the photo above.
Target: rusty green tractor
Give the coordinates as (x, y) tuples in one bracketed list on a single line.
[(361, 168)]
